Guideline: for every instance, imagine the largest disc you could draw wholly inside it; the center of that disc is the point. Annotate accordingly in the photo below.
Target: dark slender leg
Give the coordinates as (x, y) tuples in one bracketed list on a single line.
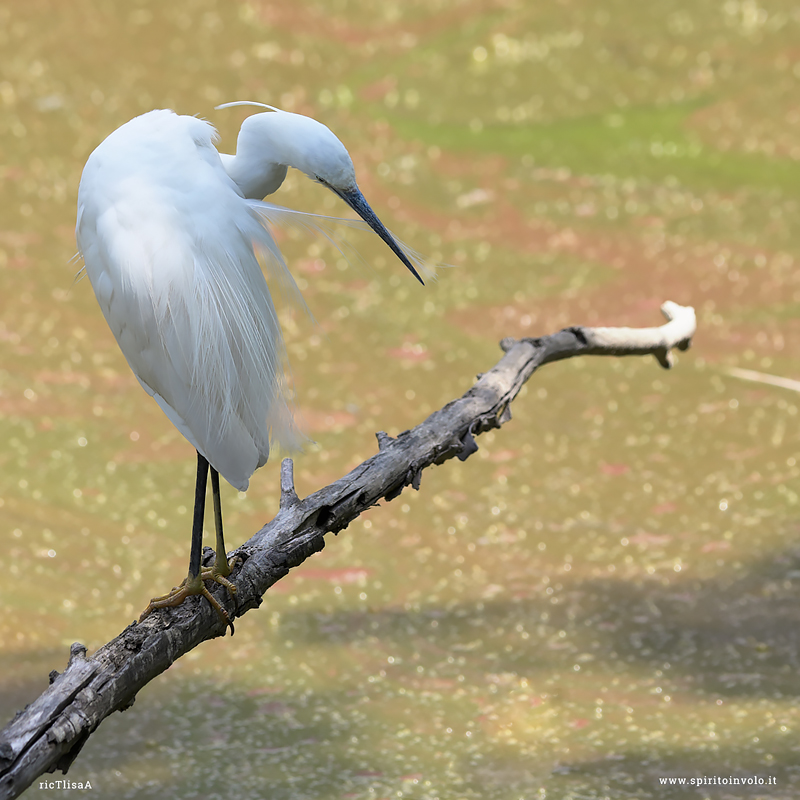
[(199, 513), (197, 574), (222, 567), (222, 557)]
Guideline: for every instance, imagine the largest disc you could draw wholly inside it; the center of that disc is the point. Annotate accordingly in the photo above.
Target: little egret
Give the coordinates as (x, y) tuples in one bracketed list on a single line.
[(174, 236)]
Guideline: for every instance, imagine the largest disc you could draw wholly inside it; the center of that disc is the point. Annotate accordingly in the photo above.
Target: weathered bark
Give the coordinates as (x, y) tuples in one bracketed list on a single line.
[(49, 733)]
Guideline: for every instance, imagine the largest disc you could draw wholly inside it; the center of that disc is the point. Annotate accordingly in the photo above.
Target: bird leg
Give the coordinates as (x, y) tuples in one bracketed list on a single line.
[(194, 583), (222, 567)]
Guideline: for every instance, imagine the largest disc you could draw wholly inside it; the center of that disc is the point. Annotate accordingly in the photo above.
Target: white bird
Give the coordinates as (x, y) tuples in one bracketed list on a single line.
[(173, 236)]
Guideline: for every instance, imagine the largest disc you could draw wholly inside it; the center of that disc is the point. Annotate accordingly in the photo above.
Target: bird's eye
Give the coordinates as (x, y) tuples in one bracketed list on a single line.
[(321, 180)]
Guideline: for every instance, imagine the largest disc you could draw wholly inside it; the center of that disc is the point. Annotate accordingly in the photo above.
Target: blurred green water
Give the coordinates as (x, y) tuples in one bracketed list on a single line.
[(606, 593)]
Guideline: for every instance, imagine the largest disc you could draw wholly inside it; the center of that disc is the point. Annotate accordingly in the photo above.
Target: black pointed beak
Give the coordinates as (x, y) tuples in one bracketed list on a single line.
[(356, 201)]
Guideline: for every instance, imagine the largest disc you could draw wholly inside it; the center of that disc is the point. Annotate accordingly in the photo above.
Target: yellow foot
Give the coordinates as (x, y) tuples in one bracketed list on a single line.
[(192, 586), (220, 571)]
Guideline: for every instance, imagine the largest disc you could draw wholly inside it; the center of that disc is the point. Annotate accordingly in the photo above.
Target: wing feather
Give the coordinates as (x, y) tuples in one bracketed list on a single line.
[(172, 252)]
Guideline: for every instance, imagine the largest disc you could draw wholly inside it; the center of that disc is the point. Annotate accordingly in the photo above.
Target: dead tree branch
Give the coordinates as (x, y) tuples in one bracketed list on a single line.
[(48, 734)]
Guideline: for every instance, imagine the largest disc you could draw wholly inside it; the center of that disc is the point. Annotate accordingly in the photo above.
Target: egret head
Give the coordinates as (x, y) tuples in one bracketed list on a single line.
[(294, 140), (325, 159), (312, 148)]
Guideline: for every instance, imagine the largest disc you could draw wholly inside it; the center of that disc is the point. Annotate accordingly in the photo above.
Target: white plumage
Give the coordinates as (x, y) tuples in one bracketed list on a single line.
[(173, 240), (174, 237), (174, 265)]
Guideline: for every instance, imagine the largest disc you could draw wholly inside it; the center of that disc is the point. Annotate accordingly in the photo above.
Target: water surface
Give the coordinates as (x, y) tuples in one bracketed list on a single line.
[(607, 592)]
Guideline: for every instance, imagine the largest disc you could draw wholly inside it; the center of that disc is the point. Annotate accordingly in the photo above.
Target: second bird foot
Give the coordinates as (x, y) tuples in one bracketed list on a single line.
[(194, 585)]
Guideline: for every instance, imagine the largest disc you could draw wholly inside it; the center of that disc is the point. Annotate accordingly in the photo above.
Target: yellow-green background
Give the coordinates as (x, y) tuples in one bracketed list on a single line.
[(608, 591)]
